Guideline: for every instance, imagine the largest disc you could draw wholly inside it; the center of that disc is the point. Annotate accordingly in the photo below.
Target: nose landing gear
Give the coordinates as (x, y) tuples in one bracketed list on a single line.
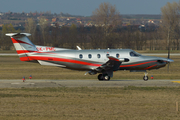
[(145, 78)]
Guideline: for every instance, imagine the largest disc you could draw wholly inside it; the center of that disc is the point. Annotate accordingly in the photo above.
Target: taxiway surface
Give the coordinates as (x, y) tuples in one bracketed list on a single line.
[(87, 83)]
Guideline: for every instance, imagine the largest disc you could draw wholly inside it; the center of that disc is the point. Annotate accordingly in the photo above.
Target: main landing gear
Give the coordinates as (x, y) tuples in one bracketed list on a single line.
[(104, 77), (145, 78)]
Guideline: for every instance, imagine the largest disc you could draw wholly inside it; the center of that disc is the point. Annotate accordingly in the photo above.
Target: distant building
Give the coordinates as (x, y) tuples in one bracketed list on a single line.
[(55, 19), (1, 13), (142, 28)]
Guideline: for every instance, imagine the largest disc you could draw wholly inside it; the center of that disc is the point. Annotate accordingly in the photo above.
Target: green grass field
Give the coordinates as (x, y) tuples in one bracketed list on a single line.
[(129, 103), (86, 103)]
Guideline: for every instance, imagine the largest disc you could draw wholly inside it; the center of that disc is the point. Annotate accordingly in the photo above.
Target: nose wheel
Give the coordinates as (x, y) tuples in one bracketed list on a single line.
[(145, 78)]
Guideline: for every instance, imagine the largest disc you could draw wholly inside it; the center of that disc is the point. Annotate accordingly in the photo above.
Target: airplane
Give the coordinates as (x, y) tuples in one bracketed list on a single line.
[(96, 61)]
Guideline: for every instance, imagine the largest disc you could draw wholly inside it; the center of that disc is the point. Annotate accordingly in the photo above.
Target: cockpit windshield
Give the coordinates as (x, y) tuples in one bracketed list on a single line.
[(134, 54)]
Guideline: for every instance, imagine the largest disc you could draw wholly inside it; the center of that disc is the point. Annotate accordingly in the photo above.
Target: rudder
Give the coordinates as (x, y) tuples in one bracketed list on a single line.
[(22, 45)]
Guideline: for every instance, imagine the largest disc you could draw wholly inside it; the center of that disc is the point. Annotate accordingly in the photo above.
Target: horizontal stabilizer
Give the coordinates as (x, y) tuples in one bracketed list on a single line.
[(17, 34)]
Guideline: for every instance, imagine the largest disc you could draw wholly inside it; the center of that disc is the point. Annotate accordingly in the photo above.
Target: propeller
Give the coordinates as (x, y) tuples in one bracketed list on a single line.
[(169, 60)]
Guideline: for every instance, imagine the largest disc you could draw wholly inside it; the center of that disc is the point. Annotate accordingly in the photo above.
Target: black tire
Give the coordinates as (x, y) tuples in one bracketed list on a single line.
[(106, 78), (100, 77), (145, 78)]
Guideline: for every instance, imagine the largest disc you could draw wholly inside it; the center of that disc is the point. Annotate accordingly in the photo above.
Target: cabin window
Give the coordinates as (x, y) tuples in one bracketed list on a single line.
[(98, 56), (107, 55), (80, 56), (117, 55), (89, 56)]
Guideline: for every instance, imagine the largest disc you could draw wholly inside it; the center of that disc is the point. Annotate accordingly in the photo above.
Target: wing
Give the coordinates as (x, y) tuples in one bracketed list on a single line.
[(111, 65)]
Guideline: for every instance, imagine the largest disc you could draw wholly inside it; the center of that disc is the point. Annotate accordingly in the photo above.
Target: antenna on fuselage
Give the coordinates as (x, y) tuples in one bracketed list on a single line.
[(78, 48)]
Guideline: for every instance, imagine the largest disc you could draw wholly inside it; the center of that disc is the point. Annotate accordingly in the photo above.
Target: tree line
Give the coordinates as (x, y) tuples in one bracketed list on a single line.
[(106, 32)]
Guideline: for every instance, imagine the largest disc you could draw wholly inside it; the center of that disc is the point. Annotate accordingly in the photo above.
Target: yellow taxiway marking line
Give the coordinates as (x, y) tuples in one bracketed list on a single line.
[(176, 81)]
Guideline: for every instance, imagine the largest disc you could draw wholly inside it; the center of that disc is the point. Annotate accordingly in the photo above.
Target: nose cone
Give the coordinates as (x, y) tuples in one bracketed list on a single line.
[(169, 60)]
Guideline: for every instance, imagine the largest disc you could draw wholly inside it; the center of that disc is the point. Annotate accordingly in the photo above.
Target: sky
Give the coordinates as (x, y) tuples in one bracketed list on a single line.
[(83, 7)]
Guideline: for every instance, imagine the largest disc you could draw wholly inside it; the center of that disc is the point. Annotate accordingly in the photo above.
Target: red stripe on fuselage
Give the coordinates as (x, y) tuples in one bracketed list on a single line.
[(24, 58), (150, 67), (24, 51), (61, 60), (19, 41), (137, 64), (30, 51)]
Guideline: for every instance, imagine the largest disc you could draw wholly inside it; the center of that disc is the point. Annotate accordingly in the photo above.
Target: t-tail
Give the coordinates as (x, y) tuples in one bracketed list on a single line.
[(22, 45)]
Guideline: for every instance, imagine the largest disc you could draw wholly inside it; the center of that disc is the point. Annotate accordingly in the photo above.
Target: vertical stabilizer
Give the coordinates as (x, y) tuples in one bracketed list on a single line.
[(22, 45)]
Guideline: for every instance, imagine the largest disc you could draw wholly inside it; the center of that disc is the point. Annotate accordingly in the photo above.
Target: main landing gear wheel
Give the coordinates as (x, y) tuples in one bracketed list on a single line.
[(102, 77), (106, 78)]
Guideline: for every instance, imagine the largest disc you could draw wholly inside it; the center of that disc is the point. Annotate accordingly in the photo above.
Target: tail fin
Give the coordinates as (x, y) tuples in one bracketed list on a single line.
[(22, 45)]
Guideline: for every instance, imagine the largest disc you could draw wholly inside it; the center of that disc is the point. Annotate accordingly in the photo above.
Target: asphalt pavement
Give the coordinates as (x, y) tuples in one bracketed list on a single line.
[(87, 83)]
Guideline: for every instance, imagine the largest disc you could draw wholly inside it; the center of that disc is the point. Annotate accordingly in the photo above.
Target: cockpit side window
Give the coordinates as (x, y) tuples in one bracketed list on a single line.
[(134, 54)]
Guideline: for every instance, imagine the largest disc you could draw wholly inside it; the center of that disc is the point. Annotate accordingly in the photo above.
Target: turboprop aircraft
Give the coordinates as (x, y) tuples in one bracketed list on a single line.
[(102, 61)]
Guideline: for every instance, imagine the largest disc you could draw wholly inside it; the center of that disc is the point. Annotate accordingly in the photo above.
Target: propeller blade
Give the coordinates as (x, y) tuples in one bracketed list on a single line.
[(168, 67)]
